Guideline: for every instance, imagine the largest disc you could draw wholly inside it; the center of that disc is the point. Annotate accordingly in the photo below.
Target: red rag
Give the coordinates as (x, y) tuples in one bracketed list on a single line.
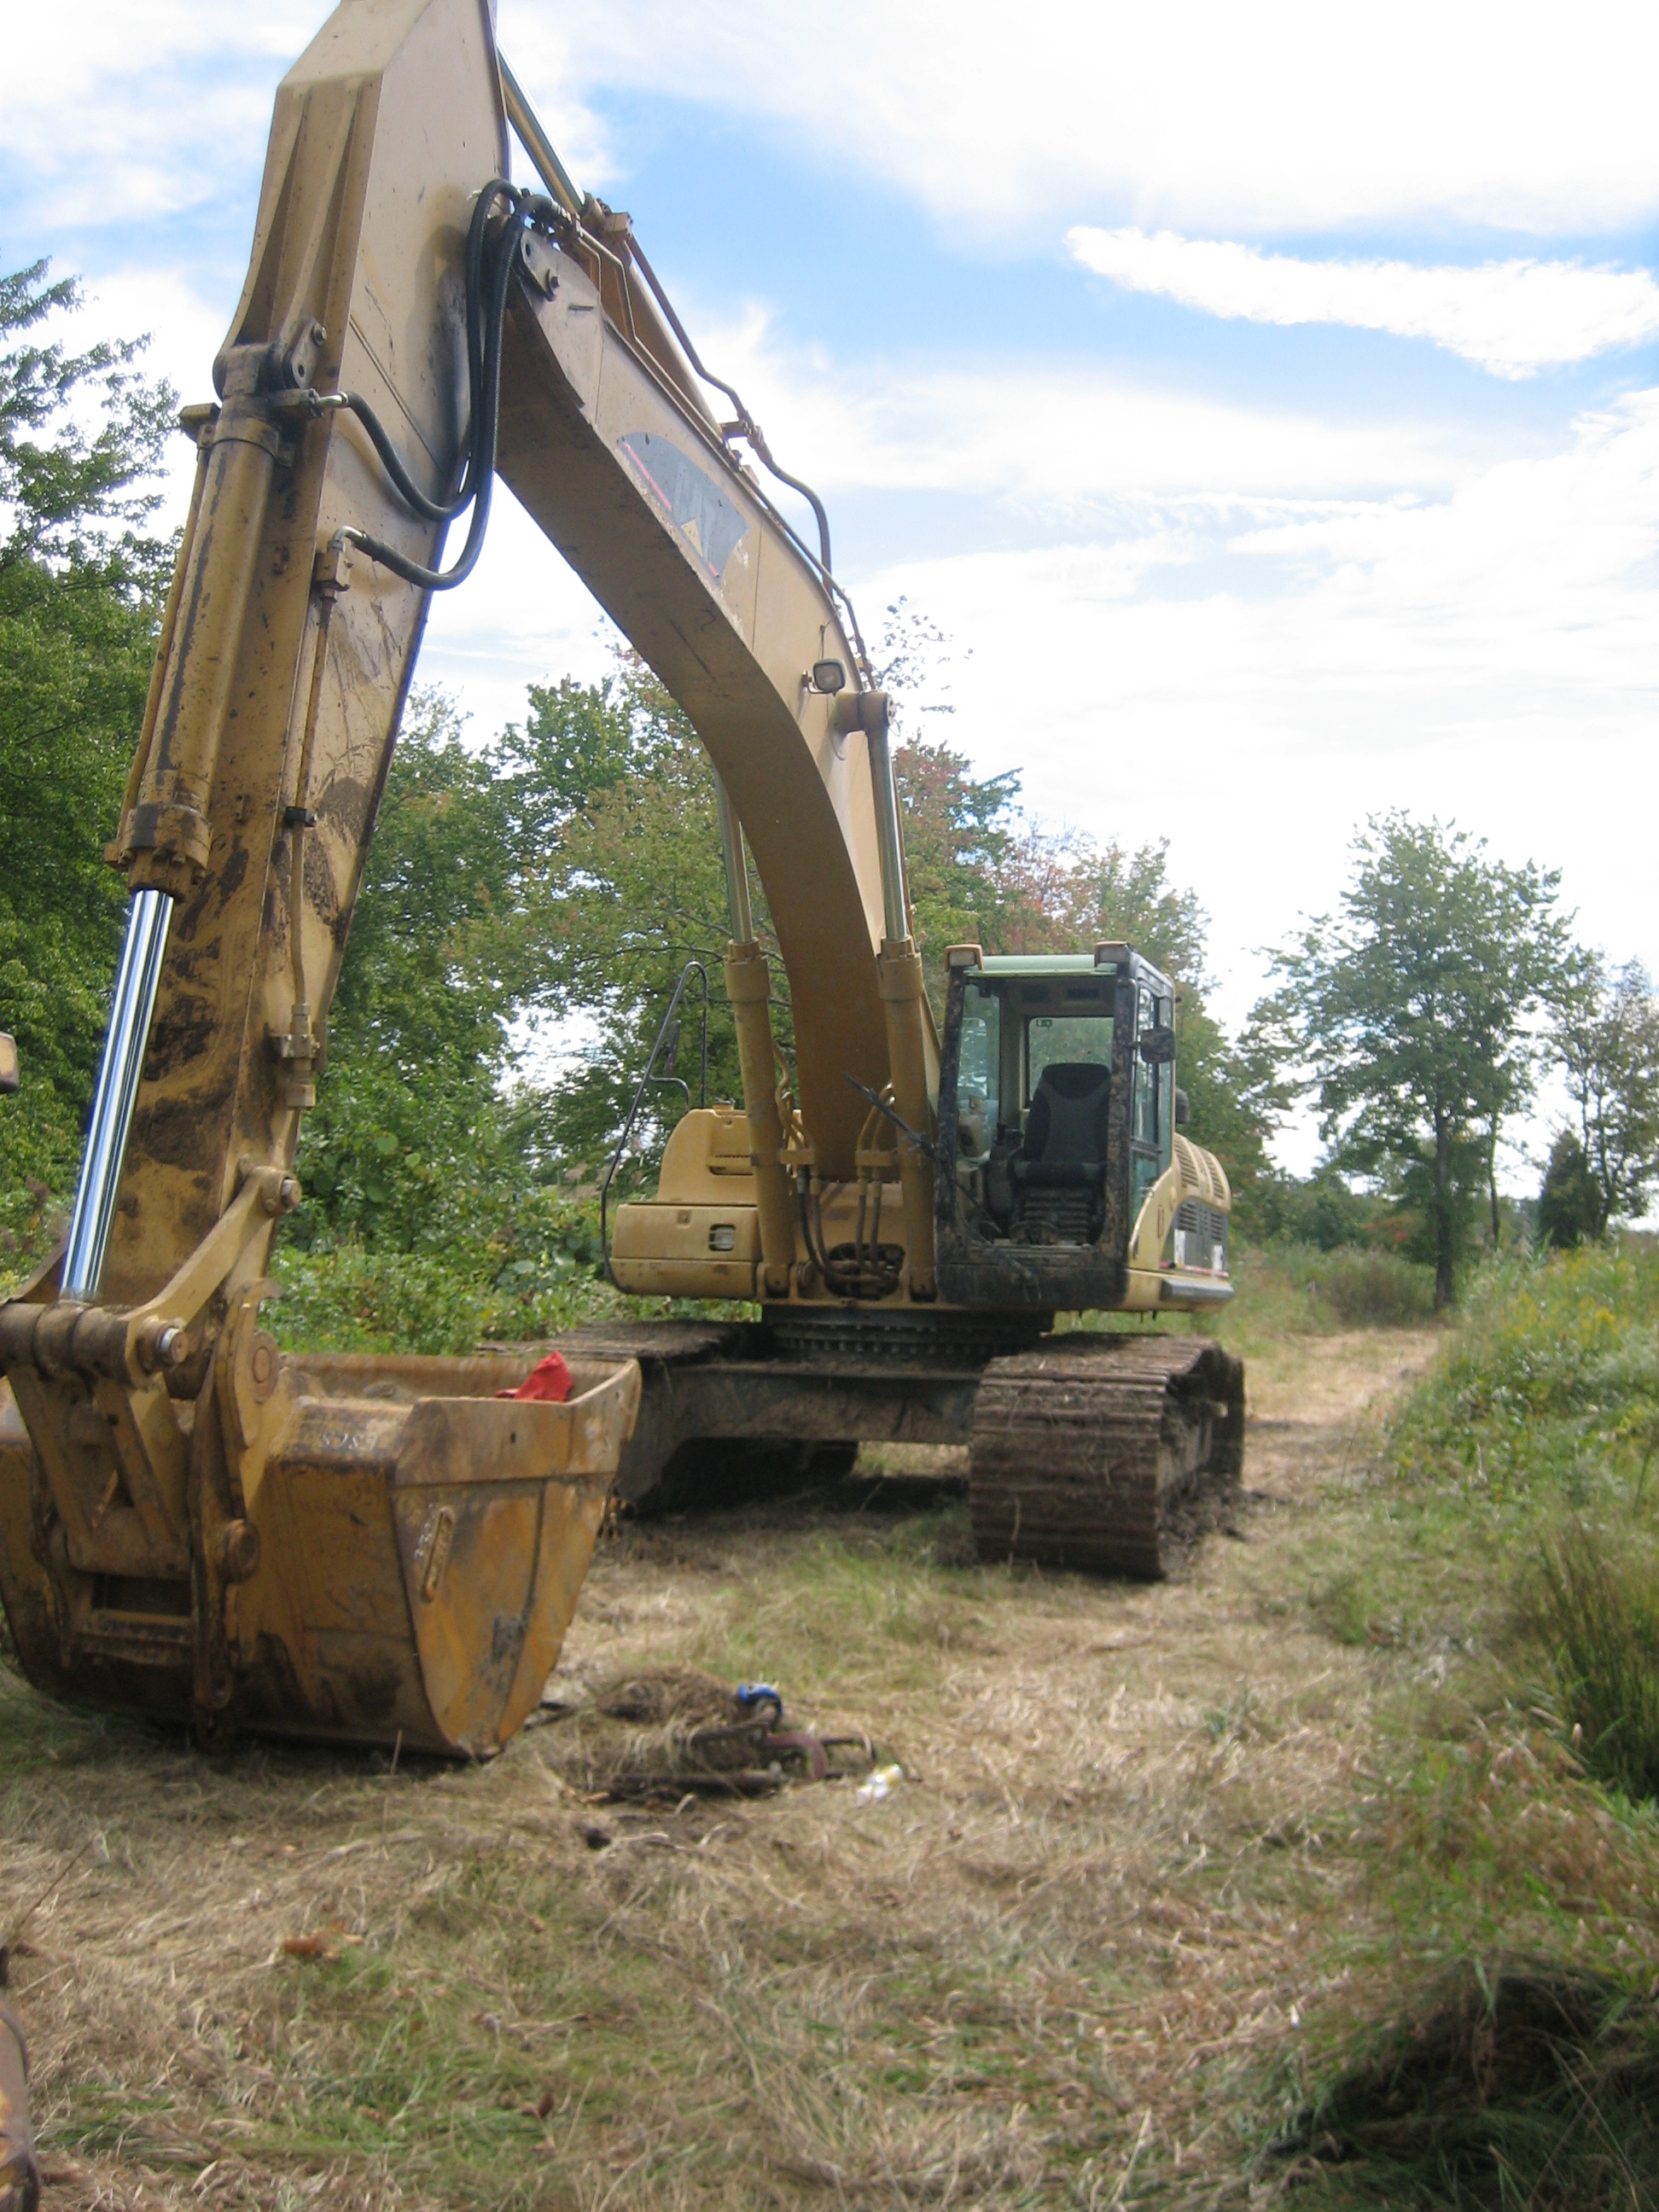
[(549, 1379)]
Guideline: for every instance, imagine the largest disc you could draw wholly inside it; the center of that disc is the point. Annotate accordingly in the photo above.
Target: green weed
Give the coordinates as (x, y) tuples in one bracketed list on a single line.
[(1598, 1617), (1351, 1607), (1554, 1376)]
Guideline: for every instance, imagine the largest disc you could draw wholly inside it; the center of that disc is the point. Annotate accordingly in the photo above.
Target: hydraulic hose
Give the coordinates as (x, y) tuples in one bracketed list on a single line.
[(746, 422), (487, 263)]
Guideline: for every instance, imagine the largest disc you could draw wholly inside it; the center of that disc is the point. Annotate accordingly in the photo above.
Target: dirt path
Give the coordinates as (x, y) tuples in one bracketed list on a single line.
[(1009, 1983)]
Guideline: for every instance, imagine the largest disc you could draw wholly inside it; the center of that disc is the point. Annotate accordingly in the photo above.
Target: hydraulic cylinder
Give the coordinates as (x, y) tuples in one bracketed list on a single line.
[(749, 987), (136, 986), (166, 834), (898, 978)]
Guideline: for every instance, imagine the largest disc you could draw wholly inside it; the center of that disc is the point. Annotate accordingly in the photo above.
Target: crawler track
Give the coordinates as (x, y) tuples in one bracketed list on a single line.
[(1110, 1454)]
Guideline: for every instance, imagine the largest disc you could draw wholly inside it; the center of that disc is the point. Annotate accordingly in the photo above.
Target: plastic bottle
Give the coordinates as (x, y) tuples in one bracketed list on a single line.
[(882, 1783)]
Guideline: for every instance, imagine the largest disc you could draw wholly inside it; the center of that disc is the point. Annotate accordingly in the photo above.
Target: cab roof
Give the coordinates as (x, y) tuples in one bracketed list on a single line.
[(997, 966)]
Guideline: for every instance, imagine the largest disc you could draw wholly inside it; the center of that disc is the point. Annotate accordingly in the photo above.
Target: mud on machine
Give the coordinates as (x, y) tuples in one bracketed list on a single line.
[(194, 1525)]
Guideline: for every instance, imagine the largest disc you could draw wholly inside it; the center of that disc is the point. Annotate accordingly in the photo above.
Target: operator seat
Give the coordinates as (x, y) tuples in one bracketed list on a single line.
[(1060, 1169)]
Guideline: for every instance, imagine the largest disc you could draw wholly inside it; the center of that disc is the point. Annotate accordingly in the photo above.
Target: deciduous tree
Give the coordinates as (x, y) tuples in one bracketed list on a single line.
[(81, 581), (1605, 1030), (1411, 1012)]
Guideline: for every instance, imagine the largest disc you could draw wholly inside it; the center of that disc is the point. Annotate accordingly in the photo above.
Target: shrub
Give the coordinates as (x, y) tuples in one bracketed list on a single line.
[(1377, 1289), (1554, 1374), (1298, 1290), (530, 1273)]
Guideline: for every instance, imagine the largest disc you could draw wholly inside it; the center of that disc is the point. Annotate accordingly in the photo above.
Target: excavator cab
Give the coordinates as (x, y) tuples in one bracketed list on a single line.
[(1060, 1181)]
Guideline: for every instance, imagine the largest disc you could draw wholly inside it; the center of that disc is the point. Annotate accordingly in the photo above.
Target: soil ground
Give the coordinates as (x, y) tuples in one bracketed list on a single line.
[(1099, 1901)]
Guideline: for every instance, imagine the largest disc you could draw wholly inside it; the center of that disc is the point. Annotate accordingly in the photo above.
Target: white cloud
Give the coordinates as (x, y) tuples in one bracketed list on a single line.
[(140, 107), (1057, 435), (1490, 656), (1218, 118), (1291, 114), (1511, 317)]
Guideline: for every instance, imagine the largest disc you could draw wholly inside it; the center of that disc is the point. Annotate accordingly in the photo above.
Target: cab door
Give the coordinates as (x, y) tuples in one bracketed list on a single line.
[(1151, 1102)]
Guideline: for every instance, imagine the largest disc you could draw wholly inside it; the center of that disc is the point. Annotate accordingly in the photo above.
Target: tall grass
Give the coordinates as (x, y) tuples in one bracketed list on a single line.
[(1532, 1439), (1598, 1617), (1521, 2084)]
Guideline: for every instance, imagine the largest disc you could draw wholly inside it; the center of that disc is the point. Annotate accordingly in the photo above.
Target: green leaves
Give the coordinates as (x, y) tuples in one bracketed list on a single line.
[(1606, 1029), (65, 489), (80, 589)]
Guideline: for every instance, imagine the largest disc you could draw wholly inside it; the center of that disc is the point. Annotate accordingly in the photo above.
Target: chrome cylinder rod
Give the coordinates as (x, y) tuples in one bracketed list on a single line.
[(117, 1094), (736, 867)]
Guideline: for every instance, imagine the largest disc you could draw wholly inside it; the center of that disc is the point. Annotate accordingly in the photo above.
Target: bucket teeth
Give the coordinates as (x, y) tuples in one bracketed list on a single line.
[(1110, 1454)]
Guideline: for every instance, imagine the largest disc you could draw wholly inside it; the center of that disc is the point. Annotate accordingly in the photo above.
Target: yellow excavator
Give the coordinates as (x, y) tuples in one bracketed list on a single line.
[(194, 1525)]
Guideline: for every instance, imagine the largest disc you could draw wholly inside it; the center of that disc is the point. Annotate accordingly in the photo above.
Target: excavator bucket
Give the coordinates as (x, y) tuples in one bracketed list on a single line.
[(401, 1566)]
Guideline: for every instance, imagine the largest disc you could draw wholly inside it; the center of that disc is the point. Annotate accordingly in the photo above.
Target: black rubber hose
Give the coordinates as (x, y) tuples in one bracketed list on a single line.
[(477, 337), (482, 459), (408, 490), (445, 510)]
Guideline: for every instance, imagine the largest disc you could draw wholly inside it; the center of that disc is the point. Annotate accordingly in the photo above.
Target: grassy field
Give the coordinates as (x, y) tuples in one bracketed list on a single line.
[(1288, 1879)]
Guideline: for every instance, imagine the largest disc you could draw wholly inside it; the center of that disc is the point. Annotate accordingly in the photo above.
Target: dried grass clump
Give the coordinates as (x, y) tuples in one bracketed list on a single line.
[(1525, 2084), (659, 1732)]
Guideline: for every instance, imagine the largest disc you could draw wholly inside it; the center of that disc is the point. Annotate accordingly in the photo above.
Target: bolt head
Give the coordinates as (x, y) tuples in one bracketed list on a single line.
[(238, 1551), (162, 1345)]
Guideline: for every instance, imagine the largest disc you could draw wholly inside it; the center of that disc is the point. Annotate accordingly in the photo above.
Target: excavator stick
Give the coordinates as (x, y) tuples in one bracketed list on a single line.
[(191, 1526)]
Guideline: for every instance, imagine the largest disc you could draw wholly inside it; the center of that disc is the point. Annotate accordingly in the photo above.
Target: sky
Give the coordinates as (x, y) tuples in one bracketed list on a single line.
[(1263, 402)]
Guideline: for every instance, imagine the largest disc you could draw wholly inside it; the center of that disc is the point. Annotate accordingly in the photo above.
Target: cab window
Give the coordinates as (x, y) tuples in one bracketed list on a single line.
[(1052, 1039), (1147, 1086)]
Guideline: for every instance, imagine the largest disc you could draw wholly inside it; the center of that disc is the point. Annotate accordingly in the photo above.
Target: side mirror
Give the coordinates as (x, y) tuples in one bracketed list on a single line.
[(8, 1077), (1157, 1047), (1183, 1107)]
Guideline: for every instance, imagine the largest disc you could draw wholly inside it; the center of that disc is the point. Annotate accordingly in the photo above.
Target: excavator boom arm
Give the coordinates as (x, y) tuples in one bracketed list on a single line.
[(689, 562), (287, 655), (412, 321)]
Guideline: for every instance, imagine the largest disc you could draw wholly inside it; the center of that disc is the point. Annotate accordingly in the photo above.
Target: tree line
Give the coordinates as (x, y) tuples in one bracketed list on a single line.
[(529, 901)]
